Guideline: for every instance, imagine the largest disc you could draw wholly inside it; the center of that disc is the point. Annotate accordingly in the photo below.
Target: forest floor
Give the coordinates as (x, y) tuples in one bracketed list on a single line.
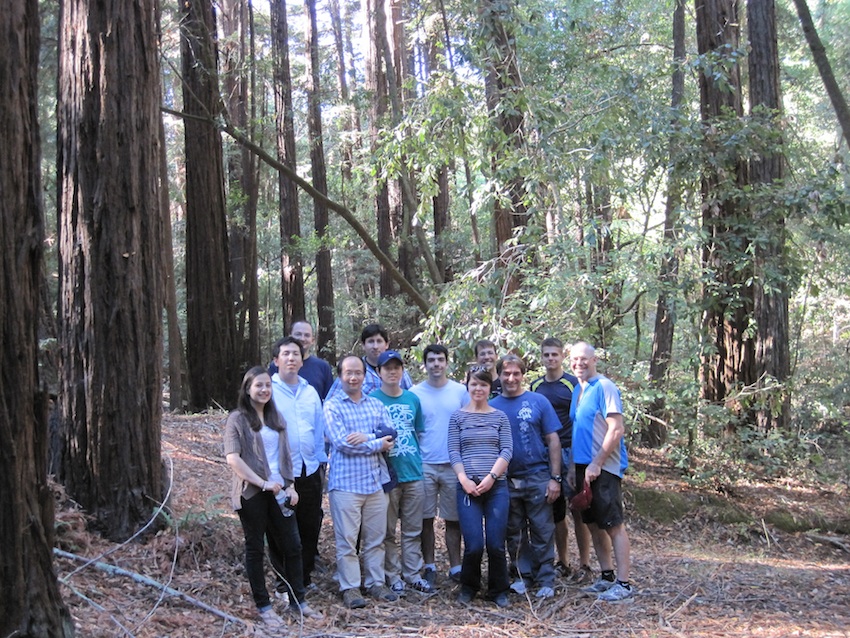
[(705, 562)]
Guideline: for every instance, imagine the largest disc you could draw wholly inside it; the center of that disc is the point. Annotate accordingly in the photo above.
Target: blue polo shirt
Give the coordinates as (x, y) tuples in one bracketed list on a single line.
[(597, 399)]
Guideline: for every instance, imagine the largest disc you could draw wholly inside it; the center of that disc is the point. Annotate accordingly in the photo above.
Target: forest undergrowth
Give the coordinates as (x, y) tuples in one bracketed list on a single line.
[(707, 561)]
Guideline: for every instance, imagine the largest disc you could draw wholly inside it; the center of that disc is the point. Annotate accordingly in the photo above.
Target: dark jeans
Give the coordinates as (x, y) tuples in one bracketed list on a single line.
[(492, 507), (529, 510), (261, 518), (309, 514)]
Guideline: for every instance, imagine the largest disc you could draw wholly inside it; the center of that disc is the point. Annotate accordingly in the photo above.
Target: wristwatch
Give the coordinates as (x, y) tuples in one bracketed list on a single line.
[(557, 479), (493, 475)]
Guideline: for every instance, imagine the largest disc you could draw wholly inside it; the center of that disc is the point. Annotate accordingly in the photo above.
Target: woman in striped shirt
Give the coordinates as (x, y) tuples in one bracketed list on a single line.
[(480, 448)]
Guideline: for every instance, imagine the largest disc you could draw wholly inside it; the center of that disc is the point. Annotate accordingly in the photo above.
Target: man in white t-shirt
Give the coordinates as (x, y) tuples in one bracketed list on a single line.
[(440, 397)]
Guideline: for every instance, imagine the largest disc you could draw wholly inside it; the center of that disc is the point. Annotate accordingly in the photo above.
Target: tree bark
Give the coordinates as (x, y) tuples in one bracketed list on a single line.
[(110, 270), (30, 604), (291, 262), (727, 357), (324, 274), (211, 330), (668, 274), (839, 103), (770, 301)]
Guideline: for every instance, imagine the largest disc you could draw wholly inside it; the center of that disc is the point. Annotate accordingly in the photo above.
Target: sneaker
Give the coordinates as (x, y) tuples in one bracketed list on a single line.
[(564, 571), (271, 620), (616, 593), (502, 601), (518, 587), (582, 575), (352, 599), (599, 586), (397, 587), (422, 585), (430, 576), (455, 575), (304, 610), (465, 596), (380, 592), (545, 592), (282, 597)]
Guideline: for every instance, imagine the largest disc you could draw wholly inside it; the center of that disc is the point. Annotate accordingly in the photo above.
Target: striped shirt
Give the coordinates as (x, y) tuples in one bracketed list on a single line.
[(359, 468), (477, 439)]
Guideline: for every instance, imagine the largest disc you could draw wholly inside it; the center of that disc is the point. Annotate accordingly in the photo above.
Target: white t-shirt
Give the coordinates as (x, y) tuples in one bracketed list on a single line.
[(438, 405)]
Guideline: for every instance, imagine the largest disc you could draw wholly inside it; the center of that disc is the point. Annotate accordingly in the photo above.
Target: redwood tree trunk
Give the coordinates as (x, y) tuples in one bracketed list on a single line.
[(110, 270), (662, 339), (30, 604), (291, 264), (211, 332), (727, 357), (770, 301), (324, 274)]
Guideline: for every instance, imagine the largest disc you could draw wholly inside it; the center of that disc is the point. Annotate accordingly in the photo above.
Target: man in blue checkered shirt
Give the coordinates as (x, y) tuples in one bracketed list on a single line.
[(355, 426)]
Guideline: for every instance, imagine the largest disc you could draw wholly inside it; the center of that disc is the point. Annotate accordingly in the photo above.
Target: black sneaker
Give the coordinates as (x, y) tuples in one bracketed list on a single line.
[(430, 576), (465, 596)]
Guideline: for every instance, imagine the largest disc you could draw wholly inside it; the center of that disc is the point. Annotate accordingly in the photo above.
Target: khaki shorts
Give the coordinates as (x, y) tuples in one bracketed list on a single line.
[(440, 486)]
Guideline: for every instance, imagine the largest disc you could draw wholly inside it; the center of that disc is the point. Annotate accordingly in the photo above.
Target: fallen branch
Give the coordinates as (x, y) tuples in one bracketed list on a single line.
[(139, 578), (832, 540)]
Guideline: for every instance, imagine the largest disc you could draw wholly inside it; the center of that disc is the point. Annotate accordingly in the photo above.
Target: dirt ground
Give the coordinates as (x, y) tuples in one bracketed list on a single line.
[(695, 576)]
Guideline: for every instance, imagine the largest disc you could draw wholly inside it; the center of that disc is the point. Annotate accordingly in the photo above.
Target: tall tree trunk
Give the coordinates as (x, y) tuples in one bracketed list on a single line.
[(176, 359), (211, 331), (727, 357), (351, 126), (324, 275), (110, 271), (30, 604), (839, 103), (376, 84), (241, 171), (668, 274), (291, 264), (770, 301)]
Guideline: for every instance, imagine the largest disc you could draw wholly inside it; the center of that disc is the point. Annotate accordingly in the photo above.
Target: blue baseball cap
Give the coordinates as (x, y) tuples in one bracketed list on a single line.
[(388, 355)]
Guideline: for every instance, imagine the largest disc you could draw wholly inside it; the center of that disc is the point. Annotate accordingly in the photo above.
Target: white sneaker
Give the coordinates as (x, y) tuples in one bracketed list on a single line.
[(397, 586), (308, 612), (616, 594), (271, 620), (518, 587), (545, 592)]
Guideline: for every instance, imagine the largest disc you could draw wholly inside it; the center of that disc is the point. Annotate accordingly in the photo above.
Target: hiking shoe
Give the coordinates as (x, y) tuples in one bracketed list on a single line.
[(465, 596), (455, 576), (352, 599), (304, 610), (380, 592), (430, 576), (582, 575), (564, 571), (397, 587), (545, 592), (502, 601), (422, 585), (271, 620), (599, 586), (518, 587), (617, 593)]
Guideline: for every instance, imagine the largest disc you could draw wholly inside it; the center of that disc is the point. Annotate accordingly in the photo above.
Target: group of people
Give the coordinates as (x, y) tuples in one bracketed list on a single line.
[(498, 462)]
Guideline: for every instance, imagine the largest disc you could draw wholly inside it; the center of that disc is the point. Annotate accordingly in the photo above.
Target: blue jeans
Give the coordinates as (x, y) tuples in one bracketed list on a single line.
[(492, 507), (529, 510), (261, 518)]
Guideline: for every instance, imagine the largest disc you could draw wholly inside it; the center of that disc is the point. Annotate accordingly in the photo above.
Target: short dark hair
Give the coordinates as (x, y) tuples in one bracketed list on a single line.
[(348, 356), (512, 359), (481, 373), (285, 341), (483, 343), (436, 348), (374, 329), (552, 342)]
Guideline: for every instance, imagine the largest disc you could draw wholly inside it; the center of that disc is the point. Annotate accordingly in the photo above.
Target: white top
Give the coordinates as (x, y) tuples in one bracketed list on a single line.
[(438, 404)]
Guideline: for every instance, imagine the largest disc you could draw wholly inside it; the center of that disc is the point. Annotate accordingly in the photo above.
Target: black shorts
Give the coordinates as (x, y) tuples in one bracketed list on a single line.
[(606, 508), (559, 507)]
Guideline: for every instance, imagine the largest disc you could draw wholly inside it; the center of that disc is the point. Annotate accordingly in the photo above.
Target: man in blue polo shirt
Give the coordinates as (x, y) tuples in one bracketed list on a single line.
[(599, 456), (534, 474)]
